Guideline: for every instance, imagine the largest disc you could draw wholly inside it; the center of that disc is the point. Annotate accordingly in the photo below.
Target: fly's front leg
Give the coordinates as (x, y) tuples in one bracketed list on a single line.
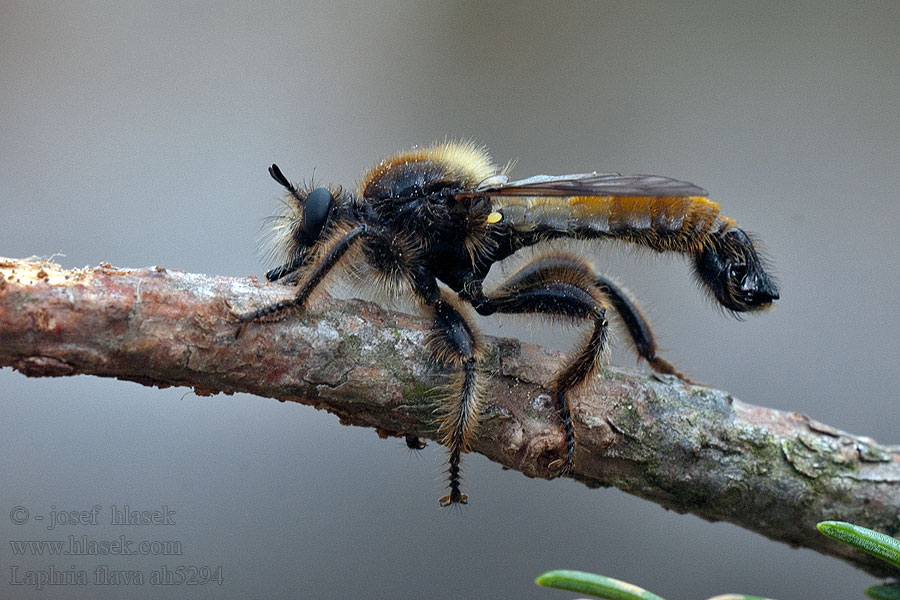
[(329, 259)]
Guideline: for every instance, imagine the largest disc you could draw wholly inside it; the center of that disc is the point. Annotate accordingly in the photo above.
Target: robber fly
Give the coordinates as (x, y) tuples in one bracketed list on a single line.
[(446, 214)]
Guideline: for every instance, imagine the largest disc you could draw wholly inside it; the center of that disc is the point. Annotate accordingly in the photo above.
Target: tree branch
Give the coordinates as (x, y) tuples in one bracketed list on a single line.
[(689, 448)]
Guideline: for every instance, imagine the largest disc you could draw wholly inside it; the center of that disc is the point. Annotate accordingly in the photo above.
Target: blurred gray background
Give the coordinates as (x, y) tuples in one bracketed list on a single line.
[(139, 134)]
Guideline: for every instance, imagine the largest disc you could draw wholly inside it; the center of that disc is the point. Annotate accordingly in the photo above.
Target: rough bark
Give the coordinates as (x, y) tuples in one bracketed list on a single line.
[(688, 448)]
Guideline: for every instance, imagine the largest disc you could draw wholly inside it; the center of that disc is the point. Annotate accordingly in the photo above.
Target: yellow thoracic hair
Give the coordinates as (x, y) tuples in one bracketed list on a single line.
[(466, 161)]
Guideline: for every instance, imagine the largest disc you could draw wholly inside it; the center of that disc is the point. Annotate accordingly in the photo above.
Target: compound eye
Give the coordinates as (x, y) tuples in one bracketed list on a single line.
[(315, 212)]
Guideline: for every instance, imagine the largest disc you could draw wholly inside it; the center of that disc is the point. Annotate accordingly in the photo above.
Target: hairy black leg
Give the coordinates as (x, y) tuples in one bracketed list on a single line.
[(452, 342), (637, 327), (315, 277), (563, 287), (573, 375)]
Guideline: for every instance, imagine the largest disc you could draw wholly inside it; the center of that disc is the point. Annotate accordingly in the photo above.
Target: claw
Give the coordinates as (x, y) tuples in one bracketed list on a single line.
[(454, 497), (414, 443), (561, 466), (242, 326)]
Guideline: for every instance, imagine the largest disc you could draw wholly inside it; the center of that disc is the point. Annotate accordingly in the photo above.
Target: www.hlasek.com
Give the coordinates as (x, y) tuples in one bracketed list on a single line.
[(83, 546)]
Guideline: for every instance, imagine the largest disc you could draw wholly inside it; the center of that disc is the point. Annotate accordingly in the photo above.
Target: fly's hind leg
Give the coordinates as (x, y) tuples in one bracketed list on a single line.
[(637, 326), (562, 287), (452, 342)]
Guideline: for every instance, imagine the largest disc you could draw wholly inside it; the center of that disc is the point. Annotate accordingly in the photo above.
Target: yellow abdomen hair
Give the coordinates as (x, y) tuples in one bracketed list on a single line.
[(679, 223)]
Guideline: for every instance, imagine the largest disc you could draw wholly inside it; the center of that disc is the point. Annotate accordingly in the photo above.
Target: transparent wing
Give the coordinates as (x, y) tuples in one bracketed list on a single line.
[(589, 184)]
